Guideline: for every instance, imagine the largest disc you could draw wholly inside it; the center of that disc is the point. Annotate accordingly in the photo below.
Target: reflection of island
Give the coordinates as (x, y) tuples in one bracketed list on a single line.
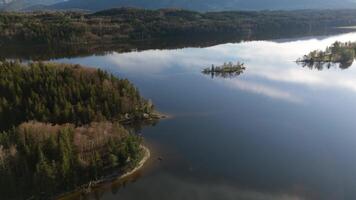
[(227, 70), (339, 53)]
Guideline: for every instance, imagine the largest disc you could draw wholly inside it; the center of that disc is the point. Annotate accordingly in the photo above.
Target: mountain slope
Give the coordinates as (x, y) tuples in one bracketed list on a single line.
[(16, 5), (206, 5)]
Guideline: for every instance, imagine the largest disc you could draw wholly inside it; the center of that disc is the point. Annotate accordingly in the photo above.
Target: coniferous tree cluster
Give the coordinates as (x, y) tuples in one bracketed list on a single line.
[(61, 127), (40, 160), (59, 93)]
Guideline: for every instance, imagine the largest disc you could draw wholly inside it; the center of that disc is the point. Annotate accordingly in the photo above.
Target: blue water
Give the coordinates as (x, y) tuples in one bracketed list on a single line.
[(278, 131)]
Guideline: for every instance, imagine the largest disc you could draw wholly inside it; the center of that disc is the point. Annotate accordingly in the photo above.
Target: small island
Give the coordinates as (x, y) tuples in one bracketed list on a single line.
[(65, 126), (226, 70), (338, 53)]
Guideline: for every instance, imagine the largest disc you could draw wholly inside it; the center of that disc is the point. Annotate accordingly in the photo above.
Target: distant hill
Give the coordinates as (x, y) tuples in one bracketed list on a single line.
[(208, 5), (198, 5), (17, 5)]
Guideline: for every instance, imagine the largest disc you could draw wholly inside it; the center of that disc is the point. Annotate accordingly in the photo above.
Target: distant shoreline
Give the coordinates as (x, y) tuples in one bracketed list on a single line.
[(347, 27)]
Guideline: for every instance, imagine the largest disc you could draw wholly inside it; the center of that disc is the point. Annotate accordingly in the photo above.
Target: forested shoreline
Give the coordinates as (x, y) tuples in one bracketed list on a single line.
[(130, 24), (63, 126)]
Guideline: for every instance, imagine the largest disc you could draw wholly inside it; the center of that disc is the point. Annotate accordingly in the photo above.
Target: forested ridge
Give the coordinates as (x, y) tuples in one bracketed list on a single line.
[(62, 127), (201, 5), (139, 24)]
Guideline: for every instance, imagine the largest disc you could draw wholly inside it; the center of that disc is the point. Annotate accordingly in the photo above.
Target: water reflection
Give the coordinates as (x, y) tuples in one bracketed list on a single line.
[(46, 52), (268, 61), (278, 131), (99, 191), (229, 75), (262, 89), (187, 189), (324, 65)]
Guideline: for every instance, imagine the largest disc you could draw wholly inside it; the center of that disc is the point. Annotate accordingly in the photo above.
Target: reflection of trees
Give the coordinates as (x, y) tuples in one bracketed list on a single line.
[(47, 52), (324, 65), (98, 195), (223, 74), (114, 187), (345, 65), (341, 54)]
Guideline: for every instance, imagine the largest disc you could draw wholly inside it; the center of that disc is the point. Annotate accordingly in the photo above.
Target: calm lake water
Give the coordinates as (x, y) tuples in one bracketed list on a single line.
[(278, 131)]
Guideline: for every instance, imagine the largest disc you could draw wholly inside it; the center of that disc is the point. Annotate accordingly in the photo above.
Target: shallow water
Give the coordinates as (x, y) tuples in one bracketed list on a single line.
[(278, 131)]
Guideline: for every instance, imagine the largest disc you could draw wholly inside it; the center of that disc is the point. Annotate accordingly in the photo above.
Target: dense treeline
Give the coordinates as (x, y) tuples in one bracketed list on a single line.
[(137, 24), (338, 53), (61, 127), (38, 160), (59, 93)]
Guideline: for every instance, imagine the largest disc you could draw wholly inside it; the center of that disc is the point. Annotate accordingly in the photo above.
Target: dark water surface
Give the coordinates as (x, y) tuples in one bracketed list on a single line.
[(278, 131)]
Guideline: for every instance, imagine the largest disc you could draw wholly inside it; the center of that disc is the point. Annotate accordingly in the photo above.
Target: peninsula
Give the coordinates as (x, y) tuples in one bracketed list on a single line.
[(64, 126)]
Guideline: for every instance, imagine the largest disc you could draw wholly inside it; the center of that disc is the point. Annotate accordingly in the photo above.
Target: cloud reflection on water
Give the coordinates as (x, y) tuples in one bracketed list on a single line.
[(270, 62), (265, 90)]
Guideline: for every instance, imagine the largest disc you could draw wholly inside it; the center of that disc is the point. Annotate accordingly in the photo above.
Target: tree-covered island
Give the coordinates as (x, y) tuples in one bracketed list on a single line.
[(225, 70), (338, 53), (63, 126)]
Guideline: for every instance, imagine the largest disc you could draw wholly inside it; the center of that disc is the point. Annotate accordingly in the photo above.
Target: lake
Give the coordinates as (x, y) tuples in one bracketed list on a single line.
[(277, 131)]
